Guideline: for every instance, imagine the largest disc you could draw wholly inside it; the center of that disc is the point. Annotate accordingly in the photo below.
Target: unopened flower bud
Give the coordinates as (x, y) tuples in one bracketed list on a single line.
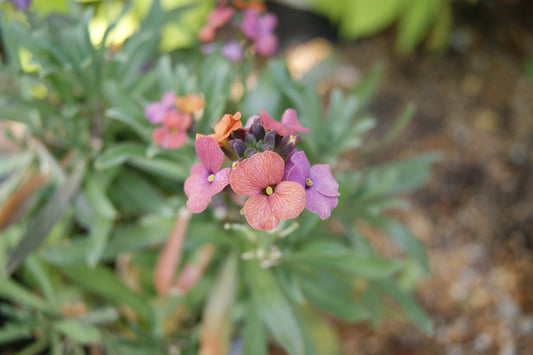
[(237, 146), (288, 143), (270, 138), (257, 130), (249, 139), (266, 147), (249, 152)]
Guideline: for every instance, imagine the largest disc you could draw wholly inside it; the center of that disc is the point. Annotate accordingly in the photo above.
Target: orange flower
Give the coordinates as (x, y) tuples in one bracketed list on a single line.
[(258, 6), (190, 103), (227, 124)]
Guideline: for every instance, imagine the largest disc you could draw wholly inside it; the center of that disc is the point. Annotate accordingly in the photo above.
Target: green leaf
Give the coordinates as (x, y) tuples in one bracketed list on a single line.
[(15, 331), (118, 154), (276, 312), (411, 308), (41, 224), (254, 334), (98, 239), (104, 282), (78, 331), (11, 290), (415, 23), (364, 17)]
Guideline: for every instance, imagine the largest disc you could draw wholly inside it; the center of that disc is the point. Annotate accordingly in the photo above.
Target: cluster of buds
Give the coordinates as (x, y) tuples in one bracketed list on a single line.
[(265, 167), (240, 25), (174, 117)]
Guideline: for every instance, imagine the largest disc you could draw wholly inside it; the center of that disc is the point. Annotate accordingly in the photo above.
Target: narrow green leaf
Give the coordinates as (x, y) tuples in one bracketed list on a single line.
[(275, 310), (11, 290), (77, 331), (13, 331), (98, 238), (254, 334), (45, 219), (411, 308), (118, 154)]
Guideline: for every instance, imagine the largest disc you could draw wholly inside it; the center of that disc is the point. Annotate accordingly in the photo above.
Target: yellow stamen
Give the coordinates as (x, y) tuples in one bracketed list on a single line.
[(234, 164), (269, 190), (308, 182), (292, 139), (210, 178)]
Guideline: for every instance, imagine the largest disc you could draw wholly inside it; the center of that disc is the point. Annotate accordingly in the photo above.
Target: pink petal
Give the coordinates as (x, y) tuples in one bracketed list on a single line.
[(288, 200), (155, 112), (168, 100), (320, 204), (209, 153), (220, 16), (271, 124), (264, 169), (239, 182), (267, 46), (199, 190), (174, 140), (177, 120), (259, 214), (158, 136), (323, 180), (250, 23), (290, 118)]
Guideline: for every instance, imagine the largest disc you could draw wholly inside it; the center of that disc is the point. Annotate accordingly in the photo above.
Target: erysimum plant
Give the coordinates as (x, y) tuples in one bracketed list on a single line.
[(145, 209)]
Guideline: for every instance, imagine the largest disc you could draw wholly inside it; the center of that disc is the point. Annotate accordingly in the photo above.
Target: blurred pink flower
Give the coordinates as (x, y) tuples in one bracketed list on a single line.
[(206, 178), (260, 29), (233, 51), (156, 111), (173, 132), (270, 198)]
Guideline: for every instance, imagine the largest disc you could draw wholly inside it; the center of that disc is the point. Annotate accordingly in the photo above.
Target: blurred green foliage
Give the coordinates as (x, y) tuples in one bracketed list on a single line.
[(416, 20), (87, 200)]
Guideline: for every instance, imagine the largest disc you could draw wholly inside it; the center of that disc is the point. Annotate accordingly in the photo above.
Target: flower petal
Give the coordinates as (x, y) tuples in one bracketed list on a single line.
[(264, 169), (290, 118), (239, 182), (177, 120), (319, 204), (271, 124), (209, 153), (300, 170), (155, 112), (233, 51), (200, 190), (227, 124), (323, 180), (267, 46), (288, 200), (259, 214)]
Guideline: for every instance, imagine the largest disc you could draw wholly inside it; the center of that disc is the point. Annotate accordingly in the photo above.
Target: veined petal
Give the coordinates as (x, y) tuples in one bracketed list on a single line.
[(259, 214), (271, 124), (323, 180), (264, 169), (209, 153), (195, 187), (288, 200), (239, 182), (320, 204)]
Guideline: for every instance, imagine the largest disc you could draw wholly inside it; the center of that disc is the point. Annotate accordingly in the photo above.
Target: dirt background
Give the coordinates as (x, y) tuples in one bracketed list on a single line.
[(475, 216)]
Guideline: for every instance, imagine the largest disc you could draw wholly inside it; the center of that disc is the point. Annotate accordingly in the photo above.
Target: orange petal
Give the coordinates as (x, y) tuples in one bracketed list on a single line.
[(190, 103), (227, 124), (288, 200), (259, 214)]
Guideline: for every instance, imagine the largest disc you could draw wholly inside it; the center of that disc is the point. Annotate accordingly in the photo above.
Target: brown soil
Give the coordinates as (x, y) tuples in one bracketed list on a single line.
[(475, 216)]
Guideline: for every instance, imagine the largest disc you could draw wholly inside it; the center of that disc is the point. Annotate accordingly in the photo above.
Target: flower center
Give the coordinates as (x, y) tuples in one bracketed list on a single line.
[(269, 190), (211, 177), (308, 182)]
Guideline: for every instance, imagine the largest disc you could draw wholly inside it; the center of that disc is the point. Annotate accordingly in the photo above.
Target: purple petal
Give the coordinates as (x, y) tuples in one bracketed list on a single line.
[(289, 164), (22, 4), (155, 112), (209, 153), (290, 118), (300, 171), (250, 23), (267, 23), (233, 51), (318, 203), (323, 180)]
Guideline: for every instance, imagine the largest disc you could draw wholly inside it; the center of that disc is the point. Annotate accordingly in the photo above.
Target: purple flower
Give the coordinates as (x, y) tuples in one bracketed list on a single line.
[(260, 29), (321, 188), (233, 51), (156, 111), (205, 179), (22, 5)]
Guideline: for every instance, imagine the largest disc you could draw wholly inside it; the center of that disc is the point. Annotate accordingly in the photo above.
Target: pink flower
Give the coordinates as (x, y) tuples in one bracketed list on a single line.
[(156, 111), (270, 198), (206, 178), (260, 29), (220, 16), (321, 188), (173, 132), (233, 51), (289, 123)]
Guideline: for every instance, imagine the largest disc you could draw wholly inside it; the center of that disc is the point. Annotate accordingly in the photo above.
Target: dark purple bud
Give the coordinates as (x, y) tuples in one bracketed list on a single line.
[(270, 138), (237, 146), (266, 147), (288, 143), (249, 152), (249, 139), (257, 130)]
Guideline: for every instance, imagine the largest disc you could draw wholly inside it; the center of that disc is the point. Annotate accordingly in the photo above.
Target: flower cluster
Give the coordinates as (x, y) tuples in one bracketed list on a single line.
[(266, 168), (241, 25), (174, 115)]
